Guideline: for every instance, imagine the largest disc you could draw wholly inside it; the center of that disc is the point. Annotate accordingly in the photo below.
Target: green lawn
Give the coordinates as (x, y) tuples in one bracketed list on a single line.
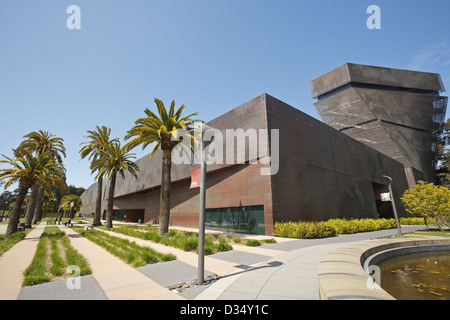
[(430, 232)]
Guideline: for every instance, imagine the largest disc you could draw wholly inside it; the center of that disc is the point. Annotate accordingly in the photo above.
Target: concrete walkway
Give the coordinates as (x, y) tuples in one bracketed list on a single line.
[(290, 276), (212, 264), (117, 279), (15, 261), (285, 270)]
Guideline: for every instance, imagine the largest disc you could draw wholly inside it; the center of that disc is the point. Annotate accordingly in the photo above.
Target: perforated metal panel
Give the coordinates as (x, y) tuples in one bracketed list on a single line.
[(396, 112)]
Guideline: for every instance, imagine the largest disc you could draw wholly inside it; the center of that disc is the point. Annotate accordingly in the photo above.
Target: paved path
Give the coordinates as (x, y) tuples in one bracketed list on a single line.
[(212, 264), (290, 276), (285, 270), (117, 279), (15, 261)]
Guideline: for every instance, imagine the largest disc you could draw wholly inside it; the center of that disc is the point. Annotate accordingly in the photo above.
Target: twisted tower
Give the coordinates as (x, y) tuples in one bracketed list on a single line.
[(396, 112)]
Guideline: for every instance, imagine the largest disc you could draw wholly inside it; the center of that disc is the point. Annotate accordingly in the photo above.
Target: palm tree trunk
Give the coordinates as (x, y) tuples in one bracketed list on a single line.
[(110, 205), (164, 203), (39, 204), (98, 203), (14, 216), (31, 205)]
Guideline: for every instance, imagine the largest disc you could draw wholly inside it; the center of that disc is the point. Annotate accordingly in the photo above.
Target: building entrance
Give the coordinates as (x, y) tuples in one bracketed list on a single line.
[(134, 215)]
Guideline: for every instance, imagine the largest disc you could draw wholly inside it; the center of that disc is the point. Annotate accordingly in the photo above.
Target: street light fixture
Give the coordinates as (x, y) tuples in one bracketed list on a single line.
[(201, 217), (71, 208), (393, 205)]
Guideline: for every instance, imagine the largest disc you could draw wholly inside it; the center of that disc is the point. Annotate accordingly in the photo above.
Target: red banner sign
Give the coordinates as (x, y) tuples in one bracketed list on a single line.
[(195, 178)]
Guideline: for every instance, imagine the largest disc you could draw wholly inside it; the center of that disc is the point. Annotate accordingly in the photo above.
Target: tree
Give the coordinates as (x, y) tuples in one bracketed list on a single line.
[(43, 141), (443, 152), (70, 203), (93, 149), (6, 198), (161, 130), (40, 142), (27, 170), (49, 203), (56, 195), (429, 201), (114, 159)]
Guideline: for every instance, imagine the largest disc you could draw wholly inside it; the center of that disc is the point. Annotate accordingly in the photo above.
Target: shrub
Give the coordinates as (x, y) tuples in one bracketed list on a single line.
[(303, 230), (412, 221), (342, 226), (190, 244), (223, 245), (237, 239), (252, 243), (315, 230)]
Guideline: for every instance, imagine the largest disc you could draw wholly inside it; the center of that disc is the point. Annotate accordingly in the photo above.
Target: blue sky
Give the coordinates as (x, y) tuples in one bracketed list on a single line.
[(211, 55)]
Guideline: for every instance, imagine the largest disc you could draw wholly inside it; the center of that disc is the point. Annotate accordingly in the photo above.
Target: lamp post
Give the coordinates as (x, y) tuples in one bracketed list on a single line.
[(201, 216), (71, 208), (393, 205)]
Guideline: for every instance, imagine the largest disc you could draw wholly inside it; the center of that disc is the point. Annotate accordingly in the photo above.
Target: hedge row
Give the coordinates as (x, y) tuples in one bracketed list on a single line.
[(303, 230), (330, 228)]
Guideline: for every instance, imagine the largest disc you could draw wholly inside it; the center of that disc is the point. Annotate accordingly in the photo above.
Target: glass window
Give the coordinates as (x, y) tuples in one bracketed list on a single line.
[(243, 219)]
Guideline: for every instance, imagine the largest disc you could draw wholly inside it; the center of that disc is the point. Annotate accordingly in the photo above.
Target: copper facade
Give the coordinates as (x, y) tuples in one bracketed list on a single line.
[(322, 174), (396, 112)]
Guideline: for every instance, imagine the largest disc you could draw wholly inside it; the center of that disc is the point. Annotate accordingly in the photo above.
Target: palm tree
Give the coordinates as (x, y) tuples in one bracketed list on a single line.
[(43, 141), (70, 203), (93, 148), (27, 170), (48, 203), (115, 159), (161, 130), (40, 142)]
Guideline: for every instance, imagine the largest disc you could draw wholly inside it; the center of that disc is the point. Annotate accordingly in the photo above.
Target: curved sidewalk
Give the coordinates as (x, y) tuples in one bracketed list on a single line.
[(289, 276)]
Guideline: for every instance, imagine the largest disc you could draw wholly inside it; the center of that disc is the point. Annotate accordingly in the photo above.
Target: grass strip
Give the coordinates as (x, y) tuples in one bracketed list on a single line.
[(128, 251), (37, 273), (73, 258), (53, 256), (6, 244), (184, 240)]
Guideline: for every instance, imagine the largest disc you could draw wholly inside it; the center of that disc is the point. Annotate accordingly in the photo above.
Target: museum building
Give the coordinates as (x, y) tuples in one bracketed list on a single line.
[(377, 122)]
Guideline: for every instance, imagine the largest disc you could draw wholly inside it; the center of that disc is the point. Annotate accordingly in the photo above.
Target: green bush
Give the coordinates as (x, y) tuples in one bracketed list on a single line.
[(413, 221), (223, 245), (303, 230), (344, 226), (330, 228), (252, 243)]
